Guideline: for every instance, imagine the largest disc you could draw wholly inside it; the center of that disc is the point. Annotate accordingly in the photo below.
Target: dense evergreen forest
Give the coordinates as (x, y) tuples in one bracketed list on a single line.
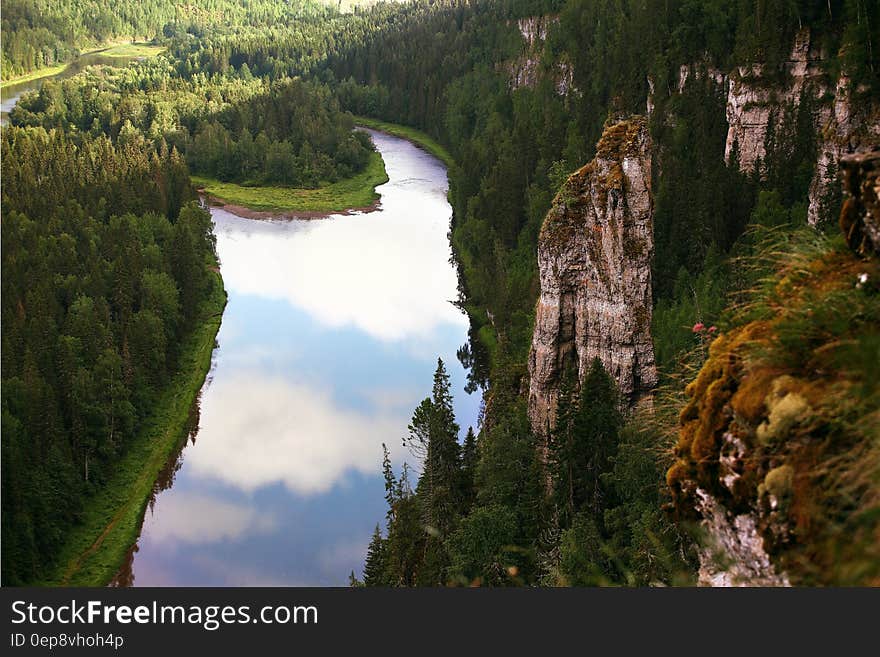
[(512, 148), (288, 132), (106, 260), (40, 33), (88, 340)]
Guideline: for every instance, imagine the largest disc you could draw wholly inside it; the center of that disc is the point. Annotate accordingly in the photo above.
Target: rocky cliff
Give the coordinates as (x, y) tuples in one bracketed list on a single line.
[(778, 454), (527, 69), (594, 259), (757, 99)]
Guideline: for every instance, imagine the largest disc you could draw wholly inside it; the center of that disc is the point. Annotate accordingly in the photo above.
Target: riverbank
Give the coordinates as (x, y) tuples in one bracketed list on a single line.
[(46, 72), (111, 519), (260, 202), (419, 138), (138, 50), (115, 50)]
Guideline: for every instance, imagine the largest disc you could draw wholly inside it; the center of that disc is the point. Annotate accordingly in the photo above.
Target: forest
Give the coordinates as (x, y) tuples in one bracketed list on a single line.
[(103, 276), (88, 341), (42, 33), (288, 133), (512, 149)]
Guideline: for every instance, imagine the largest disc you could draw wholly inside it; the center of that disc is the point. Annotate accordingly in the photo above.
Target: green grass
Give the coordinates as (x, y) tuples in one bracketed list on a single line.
[(111, 520), (418, 137), (359, 191), (118, 50), (133, 50), (34, 75)]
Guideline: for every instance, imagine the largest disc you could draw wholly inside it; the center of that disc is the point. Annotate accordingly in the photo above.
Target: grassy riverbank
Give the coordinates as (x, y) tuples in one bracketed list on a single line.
[(359, 191), (418, 137), (133, 50), (34, 75), (111, 519), (116, 50)]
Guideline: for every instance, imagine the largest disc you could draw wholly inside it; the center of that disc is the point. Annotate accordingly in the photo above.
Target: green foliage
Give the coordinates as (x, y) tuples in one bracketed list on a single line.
[(376, 565), (474, 515), (606, 490), (433, 437), (581, 558), (95, 303), (582, 443), (359, 191), (287, 134), (483, 548), (96, 221), (699, 299), (40, 33)]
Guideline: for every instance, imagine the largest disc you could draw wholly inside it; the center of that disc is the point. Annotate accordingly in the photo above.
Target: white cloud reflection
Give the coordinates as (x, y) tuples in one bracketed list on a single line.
[(196, 518), (386, 272), (264, 430)]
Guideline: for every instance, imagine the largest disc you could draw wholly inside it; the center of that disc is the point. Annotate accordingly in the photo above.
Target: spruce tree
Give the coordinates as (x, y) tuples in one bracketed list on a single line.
[(583, 441), (469, 458), (375, 567), (596, 430), (560, 448)]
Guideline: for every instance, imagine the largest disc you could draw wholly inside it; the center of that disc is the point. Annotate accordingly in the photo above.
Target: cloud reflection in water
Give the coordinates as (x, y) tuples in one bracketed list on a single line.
[(329, 340)]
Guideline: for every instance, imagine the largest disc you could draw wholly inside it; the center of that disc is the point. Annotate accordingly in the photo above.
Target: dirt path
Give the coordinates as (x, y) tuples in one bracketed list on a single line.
[(76, 563)]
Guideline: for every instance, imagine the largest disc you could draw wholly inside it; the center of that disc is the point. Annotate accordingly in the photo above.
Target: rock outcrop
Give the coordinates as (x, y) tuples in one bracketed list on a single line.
[(777, 453), (594, 259), (757, 98), (527, 69), (860, 217)]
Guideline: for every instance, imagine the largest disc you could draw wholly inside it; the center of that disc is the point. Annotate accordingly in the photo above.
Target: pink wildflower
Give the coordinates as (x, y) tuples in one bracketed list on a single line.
[(698, 327), (712, 329)]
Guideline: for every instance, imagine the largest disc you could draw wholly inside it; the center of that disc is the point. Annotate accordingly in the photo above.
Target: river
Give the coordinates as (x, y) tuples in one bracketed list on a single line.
[(328, 342), (11, 94)]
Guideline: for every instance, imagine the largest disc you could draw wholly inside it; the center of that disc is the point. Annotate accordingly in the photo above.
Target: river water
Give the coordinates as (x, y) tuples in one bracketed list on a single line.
[(11, 94), (328, 342)]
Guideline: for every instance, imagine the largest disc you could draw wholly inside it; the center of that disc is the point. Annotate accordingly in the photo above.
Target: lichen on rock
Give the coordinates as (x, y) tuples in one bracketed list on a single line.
[(594, 259)]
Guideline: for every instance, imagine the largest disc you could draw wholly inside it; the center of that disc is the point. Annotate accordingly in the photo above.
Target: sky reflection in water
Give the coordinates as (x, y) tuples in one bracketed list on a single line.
[(329, 341)]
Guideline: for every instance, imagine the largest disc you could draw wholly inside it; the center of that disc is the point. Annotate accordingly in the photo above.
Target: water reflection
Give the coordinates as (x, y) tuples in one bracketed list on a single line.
[(265, 429), (10, 94), (329, 340)]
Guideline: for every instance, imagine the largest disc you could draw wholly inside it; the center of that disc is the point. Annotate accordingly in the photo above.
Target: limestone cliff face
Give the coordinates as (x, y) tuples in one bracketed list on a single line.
[(594, 259), (754, 102), (527, 69)]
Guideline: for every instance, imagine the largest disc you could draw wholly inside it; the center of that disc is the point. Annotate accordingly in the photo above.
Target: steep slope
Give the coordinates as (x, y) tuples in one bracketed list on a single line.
[(758, 99), (779, 447), (594, 259)]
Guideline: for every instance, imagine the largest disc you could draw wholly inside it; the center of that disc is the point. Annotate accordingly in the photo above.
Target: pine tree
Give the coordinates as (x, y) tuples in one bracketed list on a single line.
[(596, 429), (376, 567), (469, 458)]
